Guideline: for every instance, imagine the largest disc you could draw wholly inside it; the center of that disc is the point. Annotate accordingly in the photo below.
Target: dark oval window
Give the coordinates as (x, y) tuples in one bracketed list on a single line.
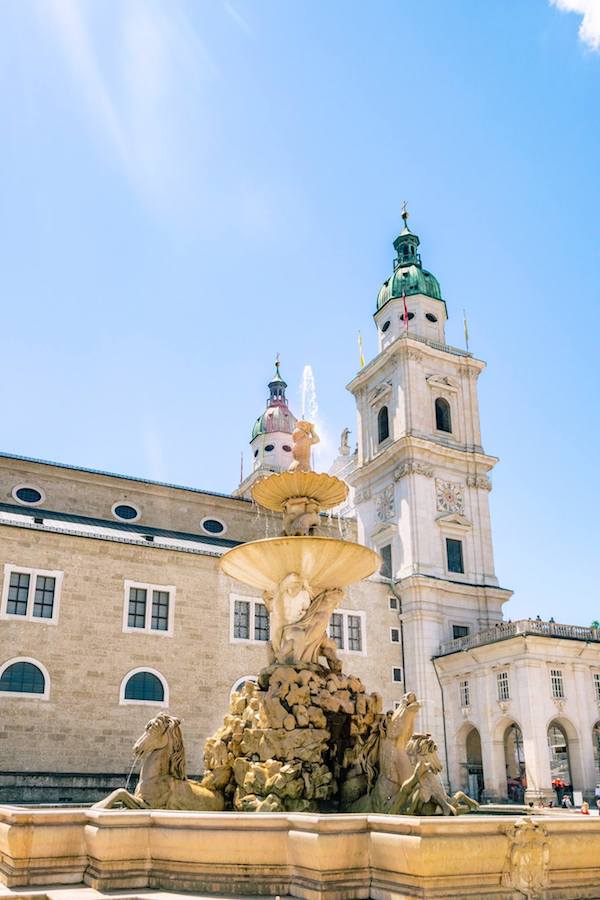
[(23, 678), (213, 526), (124, 511), (144, 686), (28, 495), (409, 316), (269, 447), (287, 448), (386, 325), (430, 317), (255, 454)]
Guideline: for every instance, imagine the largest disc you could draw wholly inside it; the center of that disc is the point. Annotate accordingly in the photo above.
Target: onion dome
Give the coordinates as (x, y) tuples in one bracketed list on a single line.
[(277, 416), (409, 276)]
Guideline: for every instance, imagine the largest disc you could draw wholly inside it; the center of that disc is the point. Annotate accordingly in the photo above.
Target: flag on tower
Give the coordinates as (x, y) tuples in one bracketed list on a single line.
[(405, 316), (361, 356), (466, 329)]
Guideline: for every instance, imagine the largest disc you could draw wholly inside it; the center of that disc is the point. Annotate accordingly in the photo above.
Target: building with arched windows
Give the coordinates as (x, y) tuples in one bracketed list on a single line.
[(113, 607)]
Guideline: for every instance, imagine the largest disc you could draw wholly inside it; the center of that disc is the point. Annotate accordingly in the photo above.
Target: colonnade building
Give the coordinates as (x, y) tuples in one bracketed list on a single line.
[(113, 606)]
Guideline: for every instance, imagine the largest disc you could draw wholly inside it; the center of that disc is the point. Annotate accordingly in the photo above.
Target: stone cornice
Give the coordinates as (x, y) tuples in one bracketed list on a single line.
[(406, 345)]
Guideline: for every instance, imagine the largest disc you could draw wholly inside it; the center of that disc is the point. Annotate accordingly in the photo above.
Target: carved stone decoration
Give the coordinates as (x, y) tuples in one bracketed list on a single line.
[(385, 506), (449, 496), (362, 495), (527, 858), (479, 481), (412, 467)]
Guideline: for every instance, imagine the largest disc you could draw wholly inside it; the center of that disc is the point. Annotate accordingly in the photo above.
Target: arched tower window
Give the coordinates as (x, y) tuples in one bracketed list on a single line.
[(383, 424), (443, 419)]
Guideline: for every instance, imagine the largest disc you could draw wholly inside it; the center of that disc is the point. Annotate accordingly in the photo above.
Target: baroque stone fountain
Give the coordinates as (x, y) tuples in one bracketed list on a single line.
[(307, 736)]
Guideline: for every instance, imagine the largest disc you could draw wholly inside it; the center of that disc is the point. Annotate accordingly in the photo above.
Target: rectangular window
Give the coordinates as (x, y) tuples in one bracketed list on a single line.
[(556, 680), (454, 555), (149, 608), (18, 593), (336, 630), (261, 622), (160, 611), (503, 686), (241, 620), (393, 603), (459, 631), (597, 687), (354, 633), (395, 635), (386, 561), (346, 630), (465, 694), (137, 608), (30, 594), (397, 673), (249, 620)]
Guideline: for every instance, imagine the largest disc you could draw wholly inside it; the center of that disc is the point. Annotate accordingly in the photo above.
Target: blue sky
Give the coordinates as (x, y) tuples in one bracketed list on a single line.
[(190, 187)]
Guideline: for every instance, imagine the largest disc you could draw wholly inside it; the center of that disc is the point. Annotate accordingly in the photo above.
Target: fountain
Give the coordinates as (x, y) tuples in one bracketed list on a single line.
[(299, 775)]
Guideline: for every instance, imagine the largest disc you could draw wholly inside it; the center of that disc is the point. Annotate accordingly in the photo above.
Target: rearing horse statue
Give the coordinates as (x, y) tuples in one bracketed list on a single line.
[(163, 783)]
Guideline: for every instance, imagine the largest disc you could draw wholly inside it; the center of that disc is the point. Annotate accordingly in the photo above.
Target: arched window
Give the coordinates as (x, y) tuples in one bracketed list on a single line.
[(476, 783), (558, 748), (514, 759), (144, 686), (239, 684), (443, 419), (24, 677), (383, 424), (596, 745)]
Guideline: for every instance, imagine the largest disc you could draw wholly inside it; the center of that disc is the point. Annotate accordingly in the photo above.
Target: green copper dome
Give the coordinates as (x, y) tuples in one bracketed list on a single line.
[(409, 276)]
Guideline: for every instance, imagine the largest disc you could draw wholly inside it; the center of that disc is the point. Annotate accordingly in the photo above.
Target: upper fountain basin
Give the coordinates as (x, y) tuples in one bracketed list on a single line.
[(323, 562), (273, 491)]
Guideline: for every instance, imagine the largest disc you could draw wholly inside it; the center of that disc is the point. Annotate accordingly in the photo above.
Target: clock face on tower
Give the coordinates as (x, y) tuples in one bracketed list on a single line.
[(449, 496)]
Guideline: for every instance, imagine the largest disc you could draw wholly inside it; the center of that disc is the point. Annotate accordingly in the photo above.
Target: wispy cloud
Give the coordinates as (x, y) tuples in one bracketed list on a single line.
[(140, 68), (589, 30), (238, 18)]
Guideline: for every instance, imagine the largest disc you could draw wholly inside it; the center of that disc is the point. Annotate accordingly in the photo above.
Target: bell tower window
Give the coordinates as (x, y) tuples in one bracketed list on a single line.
[(443, 419), (383, 425)]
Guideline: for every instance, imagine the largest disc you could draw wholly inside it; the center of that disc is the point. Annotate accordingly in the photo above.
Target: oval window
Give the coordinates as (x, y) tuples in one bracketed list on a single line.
[(126, 512), (409, 316), (26, 494), (269, 447), (430, 317), (212, 526), (287, 448), (385, 326)]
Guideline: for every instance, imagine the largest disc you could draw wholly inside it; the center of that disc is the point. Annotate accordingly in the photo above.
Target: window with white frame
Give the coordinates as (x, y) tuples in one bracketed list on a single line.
[(347, 630), (397, 674), (597, 686), (465, 694), (149, 608), (503, 686), (249, 620), (144, 686), (556, 682), (395, 635), (30, 594)]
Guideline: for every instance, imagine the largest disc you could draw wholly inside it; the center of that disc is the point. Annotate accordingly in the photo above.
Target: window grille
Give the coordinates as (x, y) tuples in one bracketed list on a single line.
[(465, 694), (336, 630), (397, 673), (43, 604), (241, 620), (23, 678), (597, 685), (18, 593), (354, 633), (261, 622), (393, 602), (454, 554), (395, 635), (459, 631), (503, 686), (160, 611), (137, 608), (556, 680), (144, 686)]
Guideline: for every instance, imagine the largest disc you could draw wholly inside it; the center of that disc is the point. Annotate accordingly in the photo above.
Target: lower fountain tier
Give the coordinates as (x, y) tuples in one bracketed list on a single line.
[(325, 563)]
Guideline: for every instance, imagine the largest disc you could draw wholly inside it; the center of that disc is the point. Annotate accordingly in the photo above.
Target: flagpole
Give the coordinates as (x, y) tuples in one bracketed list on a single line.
[(466, 327)]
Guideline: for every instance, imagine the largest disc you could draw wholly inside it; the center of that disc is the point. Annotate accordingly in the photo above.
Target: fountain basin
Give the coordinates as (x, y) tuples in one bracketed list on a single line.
[(324, 562), (326, 490)]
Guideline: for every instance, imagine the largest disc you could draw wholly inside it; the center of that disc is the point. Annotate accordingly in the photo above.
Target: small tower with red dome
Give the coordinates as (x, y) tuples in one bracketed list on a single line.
[(271, 441)]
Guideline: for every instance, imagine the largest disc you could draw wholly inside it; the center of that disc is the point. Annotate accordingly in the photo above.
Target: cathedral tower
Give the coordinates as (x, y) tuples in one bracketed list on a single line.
[(271, 441), (422, 478)]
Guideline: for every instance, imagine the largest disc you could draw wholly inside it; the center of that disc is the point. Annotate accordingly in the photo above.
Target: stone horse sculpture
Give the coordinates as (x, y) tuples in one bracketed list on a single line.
[(163, 783), (403, 770)]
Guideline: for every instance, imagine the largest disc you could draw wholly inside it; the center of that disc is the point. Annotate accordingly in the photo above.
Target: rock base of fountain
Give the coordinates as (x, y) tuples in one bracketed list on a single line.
[(290, 742)]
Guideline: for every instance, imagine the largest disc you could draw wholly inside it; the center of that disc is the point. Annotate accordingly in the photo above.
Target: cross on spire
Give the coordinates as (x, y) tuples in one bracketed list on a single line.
[(405, 212)]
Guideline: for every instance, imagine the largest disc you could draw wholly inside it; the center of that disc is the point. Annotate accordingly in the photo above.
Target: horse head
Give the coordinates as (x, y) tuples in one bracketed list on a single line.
[(401, 722), (163, 733)]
